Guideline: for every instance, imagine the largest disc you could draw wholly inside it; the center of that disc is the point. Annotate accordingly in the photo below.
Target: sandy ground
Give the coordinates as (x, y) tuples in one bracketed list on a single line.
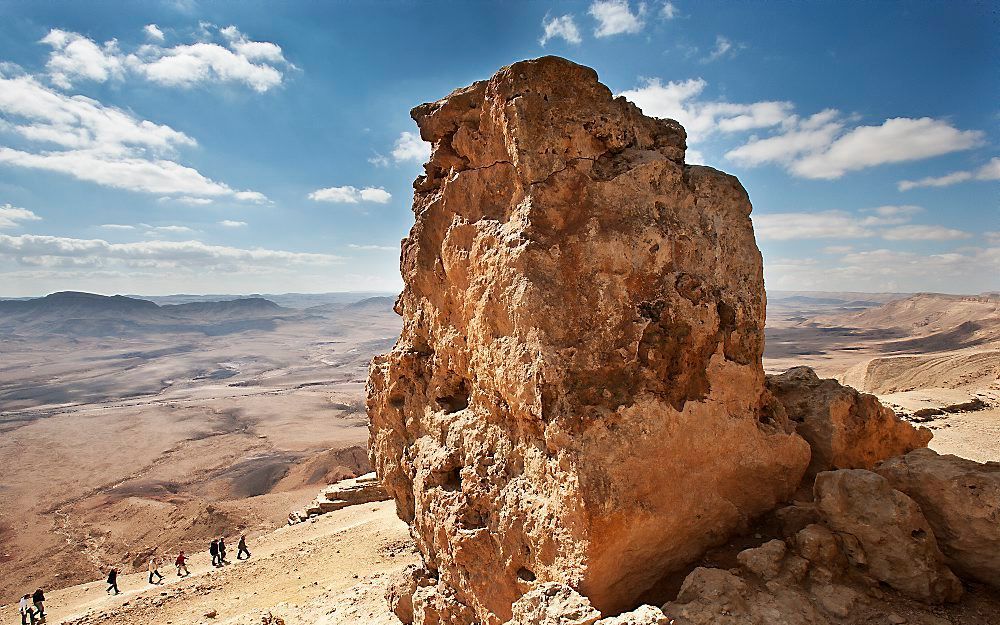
[(332, 571), (116, 446)]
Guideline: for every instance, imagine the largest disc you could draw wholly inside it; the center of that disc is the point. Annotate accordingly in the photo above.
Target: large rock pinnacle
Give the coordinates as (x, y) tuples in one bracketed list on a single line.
[(577, 394)]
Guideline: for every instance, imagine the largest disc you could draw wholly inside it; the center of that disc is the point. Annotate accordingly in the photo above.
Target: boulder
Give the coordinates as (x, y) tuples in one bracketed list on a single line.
[(961, 500), (643, 615), (888, 536), (577, 393), (399, 593), (845, 429), (718, 597), (764, 561), (553, 604)]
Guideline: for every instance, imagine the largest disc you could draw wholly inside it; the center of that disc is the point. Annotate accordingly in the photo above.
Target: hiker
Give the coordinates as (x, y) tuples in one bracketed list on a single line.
[(154, 569), (241, 548), (214, 550), (113, 580), (222, 550), (39, 600), (26, 611), (181, 564)]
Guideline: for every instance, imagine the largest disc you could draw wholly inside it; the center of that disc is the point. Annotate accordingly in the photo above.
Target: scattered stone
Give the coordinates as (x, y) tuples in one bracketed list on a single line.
[(961, 500), (895, 543), (553, 604), (764, 561)]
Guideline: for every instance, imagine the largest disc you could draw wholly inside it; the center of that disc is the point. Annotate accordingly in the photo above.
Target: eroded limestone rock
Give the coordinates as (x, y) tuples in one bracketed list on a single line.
[(894, 542), (846, 429), (577, 393), (961, 500), (552, 603)]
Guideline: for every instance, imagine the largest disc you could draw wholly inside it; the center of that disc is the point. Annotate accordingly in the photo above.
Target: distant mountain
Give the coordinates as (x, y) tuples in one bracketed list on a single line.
[(374, 304), (87, 314), (287, 300)]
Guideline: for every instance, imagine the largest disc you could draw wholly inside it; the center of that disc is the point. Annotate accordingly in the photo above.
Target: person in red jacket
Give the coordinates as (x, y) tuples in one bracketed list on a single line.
[(181, 564)]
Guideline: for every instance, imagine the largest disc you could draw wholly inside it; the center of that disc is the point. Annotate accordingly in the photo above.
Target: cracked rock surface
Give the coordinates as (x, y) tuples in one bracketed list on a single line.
[(577, 393)]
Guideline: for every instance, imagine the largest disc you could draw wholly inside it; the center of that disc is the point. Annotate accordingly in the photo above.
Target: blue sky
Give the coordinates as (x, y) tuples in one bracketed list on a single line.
[(267, 147)]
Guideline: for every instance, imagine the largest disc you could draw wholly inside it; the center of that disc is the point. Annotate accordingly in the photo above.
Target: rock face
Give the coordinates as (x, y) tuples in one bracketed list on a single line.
[(961, 500), (846, 429), (577, 393), (885, 532)]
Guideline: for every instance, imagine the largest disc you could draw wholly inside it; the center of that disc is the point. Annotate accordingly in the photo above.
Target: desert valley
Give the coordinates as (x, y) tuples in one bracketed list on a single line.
[(130, 431)]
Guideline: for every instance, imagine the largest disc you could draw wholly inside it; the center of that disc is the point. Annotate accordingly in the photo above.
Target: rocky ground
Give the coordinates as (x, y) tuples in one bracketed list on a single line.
[(332, 570)]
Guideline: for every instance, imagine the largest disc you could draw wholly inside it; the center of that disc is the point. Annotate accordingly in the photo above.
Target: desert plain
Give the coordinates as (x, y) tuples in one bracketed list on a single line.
[(128, 433)]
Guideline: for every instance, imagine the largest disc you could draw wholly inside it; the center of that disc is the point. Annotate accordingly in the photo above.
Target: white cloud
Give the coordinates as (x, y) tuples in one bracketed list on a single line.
[(993, 236), (615, 17), (989, 171), (37, 249), (410, 147), (117, 227), (154, 230), (351, 195), (814, 133), (563, 27), (820, 225), (379, 248), (887, 222), (77, 57), (895, 140), (837, 249), (153, 32), (701, 118), (723, 47), (668, 11), (229, 223), (12, 216), (969, 270), (237, 59), (101, 144), (194, 201), (924, 233), (379, 160)]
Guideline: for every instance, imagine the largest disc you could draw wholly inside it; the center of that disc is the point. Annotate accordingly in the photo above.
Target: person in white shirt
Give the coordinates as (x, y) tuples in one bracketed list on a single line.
[(26, 611), (154, 570)]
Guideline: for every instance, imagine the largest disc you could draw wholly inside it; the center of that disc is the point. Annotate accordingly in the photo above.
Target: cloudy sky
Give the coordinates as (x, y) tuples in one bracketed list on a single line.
[(199, 147)]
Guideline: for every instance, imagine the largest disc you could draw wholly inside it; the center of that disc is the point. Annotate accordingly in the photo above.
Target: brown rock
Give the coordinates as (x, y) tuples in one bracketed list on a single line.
[(582, 332), (961, 500), (553, 604), (896, 541), (818, 544), (846, 429), (717, 597), (437, 605), (643, 615), (399, 594), (764, 561)]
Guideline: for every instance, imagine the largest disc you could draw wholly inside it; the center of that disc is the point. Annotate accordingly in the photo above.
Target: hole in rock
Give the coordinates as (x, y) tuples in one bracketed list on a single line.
[(452, 481), (727, 317), (459, 400), (525, 575), (918, 533)]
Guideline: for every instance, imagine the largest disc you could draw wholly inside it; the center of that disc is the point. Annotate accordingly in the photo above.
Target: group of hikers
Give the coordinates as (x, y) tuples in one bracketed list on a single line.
[(33, 607), (217, 549)]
